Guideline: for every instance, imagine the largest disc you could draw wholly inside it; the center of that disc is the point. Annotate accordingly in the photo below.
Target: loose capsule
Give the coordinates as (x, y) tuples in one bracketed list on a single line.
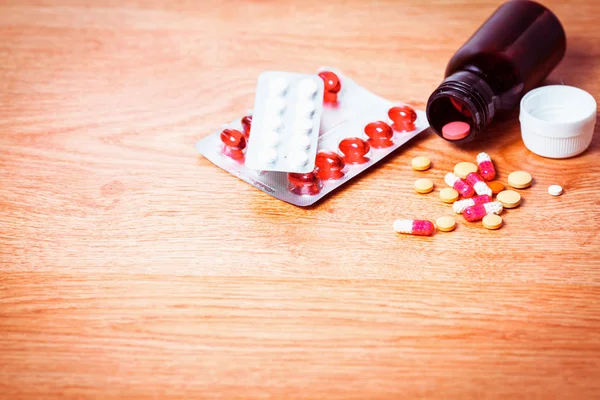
[(486, 167), (460, 185), (461, 205), (476, 182), (414, 227), (476, 213)]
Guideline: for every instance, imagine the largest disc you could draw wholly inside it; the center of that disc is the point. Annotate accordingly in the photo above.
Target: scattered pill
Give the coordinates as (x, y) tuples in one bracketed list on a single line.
[(460, 206), (421, 163), (460, 185), (462, 169), (354, 150), (423, 185), (476, 213), (496, 186), (486, 167), (509, 198), (445, 223), (448, 195), (478, 184), (555, 190), (414, 227), (456, 130), (492, 221), (520, 179)]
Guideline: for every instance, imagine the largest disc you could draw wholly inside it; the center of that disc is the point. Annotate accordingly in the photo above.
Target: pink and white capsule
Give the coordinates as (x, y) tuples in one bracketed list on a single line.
[(476, 213), (477, 183), (461, 205), (459, 185), (486, 166)]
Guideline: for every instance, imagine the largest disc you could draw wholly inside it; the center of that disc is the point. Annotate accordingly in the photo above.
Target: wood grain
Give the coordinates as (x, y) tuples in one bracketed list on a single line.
[(131, 267)]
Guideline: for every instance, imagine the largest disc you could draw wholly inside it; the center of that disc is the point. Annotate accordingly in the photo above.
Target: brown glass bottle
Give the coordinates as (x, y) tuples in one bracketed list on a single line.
[(511, 53)]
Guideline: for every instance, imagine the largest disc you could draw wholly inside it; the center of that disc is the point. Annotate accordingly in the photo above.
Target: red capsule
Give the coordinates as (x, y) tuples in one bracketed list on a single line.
[(332, 86), (234, 143), (329, 165), (380, 134), (404, 118), (246, 125), (307, 183), (354, 150)]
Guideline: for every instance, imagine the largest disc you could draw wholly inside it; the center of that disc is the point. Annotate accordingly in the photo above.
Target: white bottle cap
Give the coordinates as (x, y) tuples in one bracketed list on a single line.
[(557, 121)]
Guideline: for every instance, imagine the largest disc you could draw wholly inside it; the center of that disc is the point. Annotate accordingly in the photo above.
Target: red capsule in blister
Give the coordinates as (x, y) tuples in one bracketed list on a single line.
[(332, 86), (380, 134), (329, 165), (246, 125), (304, 183), (234, 143), (354, 150), (404, 118)]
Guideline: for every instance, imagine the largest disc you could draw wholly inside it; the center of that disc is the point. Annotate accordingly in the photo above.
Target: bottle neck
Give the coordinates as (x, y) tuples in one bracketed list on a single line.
[(463, 96)]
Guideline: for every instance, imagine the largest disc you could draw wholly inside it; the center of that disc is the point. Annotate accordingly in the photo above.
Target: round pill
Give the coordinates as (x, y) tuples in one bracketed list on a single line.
[(274, 123), (421, 163), (300, 141), (448, 195), (423, 185), (456, 130), (306, 108), (272, 139), (496, 186), (520, 179), (462, 169), (307, 88), (555, 190), (278, 86), (270, 156), (445, 223), (302, 126), (492, 221), (299, 158), (509, 198), (275, 106)]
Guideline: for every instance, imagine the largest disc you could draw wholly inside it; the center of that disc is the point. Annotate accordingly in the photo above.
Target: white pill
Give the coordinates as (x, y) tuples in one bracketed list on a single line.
[(271, 139), (307, 88), (306, 108), (278, 87), (274, 124), (275, 106), (555, 190), (298, 158), (302, 126), (270, 156), (300, 142)]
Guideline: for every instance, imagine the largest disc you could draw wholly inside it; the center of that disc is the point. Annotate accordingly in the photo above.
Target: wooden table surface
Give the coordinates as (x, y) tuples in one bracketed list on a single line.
[(131, 267)]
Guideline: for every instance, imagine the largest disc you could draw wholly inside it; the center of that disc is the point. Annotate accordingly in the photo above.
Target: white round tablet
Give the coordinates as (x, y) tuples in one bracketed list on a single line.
[(278, 87), (555, 190), (270, 156), (274, 123), (303, 126), (300, 141), (306, 108), (298, 158), (275, 106), (307, 88), (272, 139)]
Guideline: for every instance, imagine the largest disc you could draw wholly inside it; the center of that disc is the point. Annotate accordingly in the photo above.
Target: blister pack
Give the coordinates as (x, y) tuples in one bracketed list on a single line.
[(286, 119), (357, 130)]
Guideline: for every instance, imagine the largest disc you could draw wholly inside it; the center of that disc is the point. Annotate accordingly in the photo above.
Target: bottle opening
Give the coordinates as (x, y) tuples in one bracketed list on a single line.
[(450, 117)]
